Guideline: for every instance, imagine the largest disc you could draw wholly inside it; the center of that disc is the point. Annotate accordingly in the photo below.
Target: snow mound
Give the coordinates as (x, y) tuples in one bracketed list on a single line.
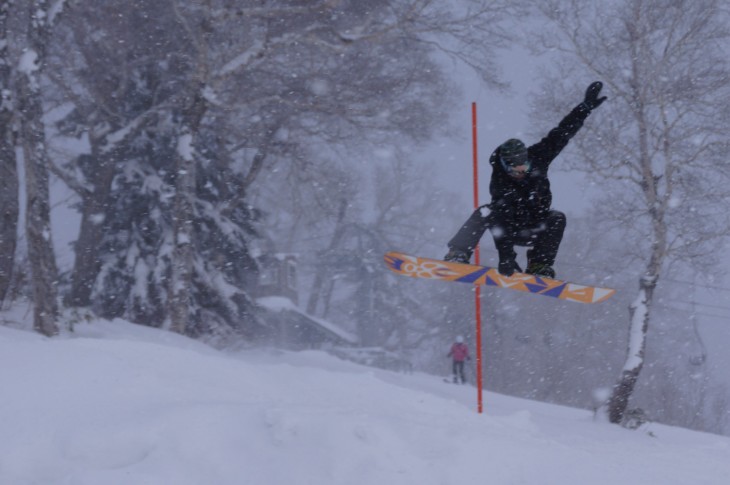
[(116, 403)]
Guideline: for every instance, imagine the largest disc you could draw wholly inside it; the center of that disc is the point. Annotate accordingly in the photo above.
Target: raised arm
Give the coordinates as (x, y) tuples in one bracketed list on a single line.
[(544, 152)]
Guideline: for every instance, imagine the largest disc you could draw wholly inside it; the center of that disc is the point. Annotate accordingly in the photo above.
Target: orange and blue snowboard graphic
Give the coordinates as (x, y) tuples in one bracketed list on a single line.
[(435, 269)]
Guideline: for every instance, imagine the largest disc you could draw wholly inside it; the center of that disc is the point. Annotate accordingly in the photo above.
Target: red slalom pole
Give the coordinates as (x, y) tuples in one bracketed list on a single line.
[(477, 289)]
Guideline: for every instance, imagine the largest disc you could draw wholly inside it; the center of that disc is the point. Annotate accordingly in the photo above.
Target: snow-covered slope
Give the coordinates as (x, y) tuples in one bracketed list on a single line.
[(116, 403)]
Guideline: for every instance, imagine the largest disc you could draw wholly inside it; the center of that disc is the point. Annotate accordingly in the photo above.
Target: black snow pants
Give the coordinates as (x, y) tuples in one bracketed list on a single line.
[(542, 237)]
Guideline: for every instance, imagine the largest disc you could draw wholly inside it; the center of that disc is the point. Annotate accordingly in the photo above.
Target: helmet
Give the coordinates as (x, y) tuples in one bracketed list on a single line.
[(459, 339), (513, 153)]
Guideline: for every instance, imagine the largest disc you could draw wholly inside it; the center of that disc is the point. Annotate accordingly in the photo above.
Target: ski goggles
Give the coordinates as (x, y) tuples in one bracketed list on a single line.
[(515, 165)]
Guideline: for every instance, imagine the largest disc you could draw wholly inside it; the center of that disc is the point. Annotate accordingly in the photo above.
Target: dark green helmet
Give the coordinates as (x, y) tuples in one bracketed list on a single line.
[(513, 153)]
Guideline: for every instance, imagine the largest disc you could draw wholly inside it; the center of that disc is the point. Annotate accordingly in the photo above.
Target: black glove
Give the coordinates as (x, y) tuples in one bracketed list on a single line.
[(592, 101), (508, 267)]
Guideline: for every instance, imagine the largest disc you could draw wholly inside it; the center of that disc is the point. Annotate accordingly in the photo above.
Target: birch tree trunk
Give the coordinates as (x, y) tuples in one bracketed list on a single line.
[(8, 167), (8, 203), (44, 274), (639, 312), (656, 203), (182, 265), (87, 264), (639, 316)]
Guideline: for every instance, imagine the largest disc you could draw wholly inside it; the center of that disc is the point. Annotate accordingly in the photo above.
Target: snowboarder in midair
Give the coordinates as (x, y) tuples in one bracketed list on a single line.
[(520, 213), (459, 353)]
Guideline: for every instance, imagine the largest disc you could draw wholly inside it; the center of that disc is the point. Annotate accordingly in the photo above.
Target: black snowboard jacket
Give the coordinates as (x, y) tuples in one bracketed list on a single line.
[(526, 203)]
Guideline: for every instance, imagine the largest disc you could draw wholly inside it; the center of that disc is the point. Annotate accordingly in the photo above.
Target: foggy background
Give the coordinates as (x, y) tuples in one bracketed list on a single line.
[(320, 132)]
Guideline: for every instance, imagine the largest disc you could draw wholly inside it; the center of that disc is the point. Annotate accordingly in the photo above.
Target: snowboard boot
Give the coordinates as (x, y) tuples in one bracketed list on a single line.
[(540, 269), (457, 256), (508, 267)]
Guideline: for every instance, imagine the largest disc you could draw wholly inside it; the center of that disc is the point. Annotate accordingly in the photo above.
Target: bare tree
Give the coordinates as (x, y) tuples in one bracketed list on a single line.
[(194, 109), (658, 146), (35, 154), (192, 115), (412, 102), (8, 169)]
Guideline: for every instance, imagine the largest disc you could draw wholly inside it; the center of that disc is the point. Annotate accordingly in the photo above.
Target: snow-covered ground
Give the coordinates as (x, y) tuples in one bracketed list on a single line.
[(116, 403)]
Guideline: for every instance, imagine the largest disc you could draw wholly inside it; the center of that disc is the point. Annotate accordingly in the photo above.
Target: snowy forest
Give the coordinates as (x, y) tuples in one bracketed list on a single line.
[(159, 159)]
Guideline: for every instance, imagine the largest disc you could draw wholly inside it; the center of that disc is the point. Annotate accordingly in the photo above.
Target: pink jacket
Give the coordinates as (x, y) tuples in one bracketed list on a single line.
[(459, 351)]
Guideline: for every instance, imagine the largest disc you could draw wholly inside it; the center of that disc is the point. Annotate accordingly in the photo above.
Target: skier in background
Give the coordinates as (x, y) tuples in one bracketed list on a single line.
[(519, 213), (459, 353)]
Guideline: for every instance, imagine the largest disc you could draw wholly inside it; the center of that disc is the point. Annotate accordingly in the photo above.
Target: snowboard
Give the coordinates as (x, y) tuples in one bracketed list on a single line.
[(436, 269)]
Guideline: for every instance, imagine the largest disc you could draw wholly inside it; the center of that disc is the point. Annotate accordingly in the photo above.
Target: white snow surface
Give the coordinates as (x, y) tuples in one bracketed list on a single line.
[(28, 61), (116, 403)]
